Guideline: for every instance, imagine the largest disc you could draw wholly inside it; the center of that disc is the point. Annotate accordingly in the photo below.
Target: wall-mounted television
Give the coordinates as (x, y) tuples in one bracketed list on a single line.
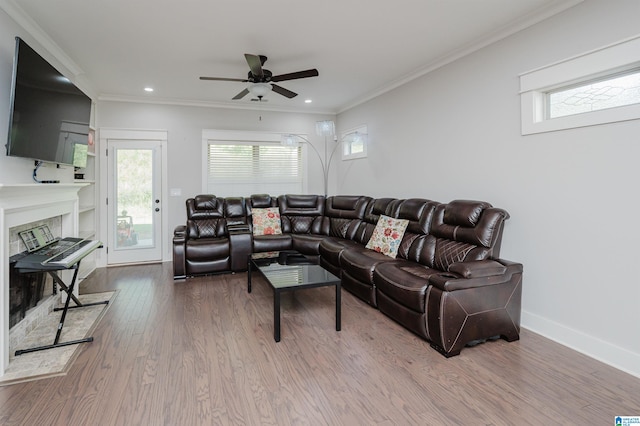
[(49, 114)]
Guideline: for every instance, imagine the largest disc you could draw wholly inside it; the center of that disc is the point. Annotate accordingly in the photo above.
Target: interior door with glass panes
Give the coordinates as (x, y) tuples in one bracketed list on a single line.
[(134, 204)]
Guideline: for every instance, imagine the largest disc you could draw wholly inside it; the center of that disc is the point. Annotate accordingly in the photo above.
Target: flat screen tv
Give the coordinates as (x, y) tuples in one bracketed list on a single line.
[(49, 115)]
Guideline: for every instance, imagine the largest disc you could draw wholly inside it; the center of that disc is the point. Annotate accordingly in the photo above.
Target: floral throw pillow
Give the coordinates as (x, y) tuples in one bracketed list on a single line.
[(387, 235), (266, 221)]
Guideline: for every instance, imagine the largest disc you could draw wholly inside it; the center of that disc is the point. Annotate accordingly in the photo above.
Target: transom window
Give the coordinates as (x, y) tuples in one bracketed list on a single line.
[(354, 143), (612, 91), (597, 87)]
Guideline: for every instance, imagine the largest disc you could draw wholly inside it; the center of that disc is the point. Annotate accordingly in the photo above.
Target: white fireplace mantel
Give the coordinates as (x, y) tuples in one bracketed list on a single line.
[(21, 204)]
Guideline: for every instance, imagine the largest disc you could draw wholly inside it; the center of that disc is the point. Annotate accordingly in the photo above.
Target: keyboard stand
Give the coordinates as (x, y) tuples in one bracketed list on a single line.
[(69, 290)]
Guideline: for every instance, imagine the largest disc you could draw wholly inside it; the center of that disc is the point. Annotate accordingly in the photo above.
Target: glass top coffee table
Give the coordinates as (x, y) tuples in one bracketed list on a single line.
[(288, 271)]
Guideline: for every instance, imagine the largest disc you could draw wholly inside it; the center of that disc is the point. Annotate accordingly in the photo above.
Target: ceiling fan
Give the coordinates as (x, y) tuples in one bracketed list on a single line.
[(262, 80)]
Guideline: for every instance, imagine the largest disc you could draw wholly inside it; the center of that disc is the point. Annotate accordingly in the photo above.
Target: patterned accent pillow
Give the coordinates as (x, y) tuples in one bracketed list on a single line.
[(387, 235), (266, 221)]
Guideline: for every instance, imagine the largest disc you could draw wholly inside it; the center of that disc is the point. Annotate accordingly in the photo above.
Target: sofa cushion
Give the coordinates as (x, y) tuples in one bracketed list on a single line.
[(387, 235), (207, 249), (331, 248), (308, 244), (472, 222), (266, 221), (235, 211), (301, 214), (205, 202), (360, 262), (260, 201), (264, 243), (405, 282)]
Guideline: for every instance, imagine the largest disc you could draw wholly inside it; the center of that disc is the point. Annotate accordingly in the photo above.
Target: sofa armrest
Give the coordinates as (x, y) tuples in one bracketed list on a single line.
[(482, 273), (478, 268), (238, 228), (179, 234), (179, 261), (240, 245)]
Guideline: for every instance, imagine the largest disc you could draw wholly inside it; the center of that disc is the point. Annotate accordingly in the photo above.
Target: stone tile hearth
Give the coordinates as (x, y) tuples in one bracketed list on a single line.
[(79, 323)]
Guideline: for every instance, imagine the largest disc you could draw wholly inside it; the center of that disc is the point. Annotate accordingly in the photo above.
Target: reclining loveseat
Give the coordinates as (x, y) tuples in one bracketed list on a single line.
[(432, 267)]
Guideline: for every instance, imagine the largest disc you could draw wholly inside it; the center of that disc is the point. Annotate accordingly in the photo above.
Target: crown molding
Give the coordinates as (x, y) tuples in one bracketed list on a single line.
[(37, 33), (501, 33), (257, 106)]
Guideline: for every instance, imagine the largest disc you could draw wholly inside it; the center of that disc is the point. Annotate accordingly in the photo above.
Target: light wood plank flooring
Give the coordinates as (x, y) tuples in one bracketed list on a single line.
[(201, 352)]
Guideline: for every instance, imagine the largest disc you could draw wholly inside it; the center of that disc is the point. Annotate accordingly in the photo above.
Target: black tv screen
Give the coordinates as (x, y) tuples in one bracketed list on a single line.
[(49, 114)]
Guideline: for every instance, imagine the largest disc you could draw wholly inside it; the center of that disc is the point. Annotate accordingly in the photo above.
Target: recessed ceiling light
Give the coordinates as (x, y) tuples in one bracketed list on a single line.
[(148, 89), (307, 101)]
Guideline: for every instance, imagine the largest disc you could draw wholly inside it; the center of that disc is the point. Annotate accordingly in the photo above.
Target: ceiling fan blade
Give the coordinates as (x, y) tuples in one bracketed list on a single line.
[(295, 75), (284, 92), (255, 63), (241, 95), (244, 80)]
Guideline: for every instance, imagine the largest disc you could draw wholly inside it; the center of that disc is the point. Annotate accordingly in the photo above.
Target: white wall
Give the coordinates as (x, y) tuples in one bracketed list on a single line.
[(573, 195), (185, 124)]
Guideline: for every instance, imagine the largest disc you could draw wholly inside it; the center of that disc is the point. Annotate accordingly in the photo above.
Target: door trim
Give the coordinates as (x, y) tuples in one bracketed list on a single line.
[(106, 134)]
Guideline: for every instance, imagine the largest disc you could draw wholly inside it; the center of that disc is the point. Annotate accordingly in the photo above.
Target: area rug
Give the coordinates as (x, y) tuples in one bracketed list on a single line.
[(79, 323)]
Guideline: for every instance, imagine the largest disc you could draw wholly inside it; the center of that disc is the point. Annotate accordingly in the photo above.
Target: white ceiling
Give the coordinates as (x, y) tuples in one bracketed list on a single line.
[(360, 48)]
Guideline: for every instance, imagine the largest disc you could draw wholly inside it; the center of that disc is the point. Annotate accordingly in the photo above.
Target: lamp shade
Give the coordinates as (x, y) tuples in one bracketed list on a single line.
[(325, 128), (289, 140)]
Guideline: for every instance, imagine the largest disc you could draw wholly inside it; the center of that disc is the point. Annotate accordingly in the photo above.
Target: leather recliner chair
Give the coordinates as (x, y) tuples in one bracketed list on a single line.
[(455, 290), (202, 246)]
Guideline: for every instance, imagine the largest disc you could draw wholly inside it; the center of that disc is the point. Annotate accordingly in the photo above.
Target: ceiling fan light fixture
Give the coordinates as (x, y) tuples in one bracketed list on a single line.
[(259, 89)]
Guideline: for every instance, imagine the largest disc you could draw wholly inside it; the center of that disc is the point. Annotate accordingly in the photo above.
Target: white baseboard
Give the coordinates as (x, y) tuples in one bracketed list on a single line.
[(615, 356)]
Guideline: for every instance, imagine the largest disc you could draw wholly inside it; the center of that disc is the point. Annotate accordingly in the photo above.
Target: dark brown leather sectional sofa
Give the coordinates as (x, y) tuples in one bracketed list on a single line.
[(447, 283)]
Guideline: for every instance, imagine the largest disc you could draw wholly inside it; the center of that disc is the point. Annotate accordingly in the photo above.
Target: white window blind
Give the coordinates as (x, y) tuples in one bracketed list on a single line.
[(242, 169)]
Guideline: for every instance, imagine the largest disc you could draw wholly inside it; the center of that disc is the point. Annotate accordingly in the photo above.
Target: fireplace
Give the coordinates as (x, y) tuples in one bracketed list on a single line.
[(25, 291), (21, 205)]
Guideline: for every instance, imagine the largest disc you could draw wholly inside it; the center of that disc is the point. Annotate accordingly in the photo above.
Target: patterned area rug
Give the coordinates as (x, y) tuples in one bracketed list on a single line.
[(79, 323)]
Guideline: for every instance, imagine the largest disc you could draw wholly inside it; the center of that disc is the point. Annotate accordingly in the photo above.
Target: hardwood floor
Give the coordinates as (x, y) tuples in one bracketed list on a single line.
[(201, 352)]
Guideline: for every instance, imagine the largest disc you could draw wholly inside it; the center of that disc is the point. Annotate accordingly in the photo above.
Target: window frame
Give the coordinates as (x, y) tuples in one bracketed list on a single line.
[(634, 71), (234, 137), (600, 63), (346, 143)]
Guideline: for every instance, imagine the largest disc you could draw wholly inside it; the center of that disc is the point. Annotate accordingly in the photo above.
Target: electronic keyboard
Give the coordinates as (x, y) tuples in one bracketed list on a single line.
[(61, 254)]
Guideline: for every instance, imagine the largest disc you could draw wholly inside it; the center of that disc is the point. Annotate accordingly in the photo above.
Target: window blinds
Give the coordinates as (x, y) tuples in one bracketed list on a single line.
[(255, 168)]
